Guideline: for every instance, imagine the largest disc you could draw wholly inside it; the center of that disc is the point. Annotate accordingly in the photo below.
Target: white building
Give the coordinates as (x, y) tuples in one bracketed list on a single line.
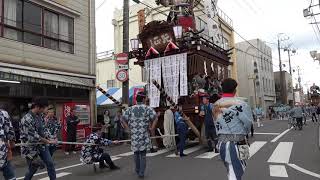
[(48, 47), (255, 66)]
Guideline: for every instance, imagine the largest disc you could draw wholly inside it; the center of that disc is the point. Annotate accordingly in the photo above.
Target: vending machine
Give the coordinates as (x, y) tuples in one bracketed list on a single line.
[(82, 111)]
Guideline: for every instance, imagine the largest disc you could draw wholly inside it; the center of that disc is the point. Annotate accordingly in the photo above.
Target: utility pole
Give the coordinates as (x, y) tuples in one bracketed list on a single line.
[(125, 85), (282, 89), (253, 78), (300, 87), (290, 71)]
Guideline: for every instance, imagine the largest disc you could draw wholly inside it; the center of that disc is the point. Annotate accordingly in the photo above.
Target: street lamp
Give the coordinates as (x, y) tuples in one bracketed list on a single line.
[(177, 30), (134, 44)]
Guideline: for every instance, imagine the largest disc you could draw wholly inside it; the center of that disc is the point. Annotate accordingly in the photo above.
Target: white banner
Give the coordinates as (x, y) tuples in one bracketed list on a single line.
[(183, 74), (155, 74), (170, 67)]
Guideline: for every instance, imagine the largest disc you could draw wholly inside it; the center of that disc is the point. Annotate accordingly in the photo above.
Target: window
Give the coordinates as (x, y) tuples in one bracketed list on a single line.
[(66, 33), (51, 30), (12, 19), (111, 83), (33, 24)]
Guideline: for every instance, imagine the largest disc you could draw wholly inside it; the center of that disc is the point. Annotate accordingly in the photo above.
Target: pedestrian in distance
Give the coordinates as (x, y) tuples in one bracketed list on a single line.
[(106, 124), (7, 139), (53, 127), (119, 126), (297, 113), (318, 111), (182, 130), (32, 131), (138, 119), (313, 113), (259, 115), (94, 153), (210, 130), (233, 119), (72, 123), (270, 113)]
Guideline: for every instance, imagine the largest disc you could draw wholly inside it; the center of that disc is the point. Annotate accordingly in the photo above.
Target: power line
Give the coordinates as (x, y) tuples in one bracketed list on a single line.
[(153, 8), (255, 56), (104, 1), (236, 33)]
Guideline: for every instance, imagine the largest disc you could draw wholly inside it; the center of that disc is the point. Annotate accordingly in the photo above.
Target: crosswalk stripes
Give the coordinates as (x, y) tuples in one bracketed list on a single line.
[(207, 155), (187, 151), (256, 146), (278, 171), (59, 175), (125, 154), (282, 153), (162, 151)]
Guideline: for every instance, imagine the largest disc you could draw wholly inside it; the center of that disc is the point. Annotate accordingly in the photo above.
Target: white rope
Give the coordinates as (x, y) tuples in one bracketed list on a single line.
[(89, 144)]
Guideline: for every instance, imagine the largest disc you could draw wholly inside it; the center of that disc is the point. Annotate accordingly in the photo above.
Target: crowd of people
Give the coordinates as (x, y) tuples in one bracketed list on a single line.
[(227, 122)]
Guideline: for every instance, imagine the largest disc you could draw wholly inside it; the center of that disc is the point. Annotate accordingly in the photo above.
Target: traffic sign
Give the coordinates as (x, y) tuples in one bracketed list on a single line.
[(122, 75), (120, 67), (122, 58)]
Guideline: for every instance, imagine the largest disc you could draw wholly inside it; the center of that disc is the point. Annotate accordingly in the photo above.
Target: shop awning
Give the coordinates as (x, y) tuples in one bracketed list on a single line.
[(115, 92), (45, 78)]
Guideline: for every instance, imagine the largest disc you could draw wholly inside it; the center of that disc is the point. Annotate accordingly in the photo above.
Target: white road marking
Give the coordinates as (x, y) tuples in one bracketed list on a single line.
[(126, 154), (267, 133), (58, 175), (114, 158), (256, 146), (162, 151), (208, 155), (187, 151), (278, 171), (282, 153), (304, 170), (280, 135)]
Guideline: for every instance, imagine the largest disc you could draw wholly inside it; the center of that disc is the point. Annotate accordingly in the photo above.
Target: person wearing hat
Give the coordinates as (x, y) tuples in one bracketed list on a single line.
[(32, 131), (53, 127), (72, 123), (138, 119), (210, 130), (94, 153)]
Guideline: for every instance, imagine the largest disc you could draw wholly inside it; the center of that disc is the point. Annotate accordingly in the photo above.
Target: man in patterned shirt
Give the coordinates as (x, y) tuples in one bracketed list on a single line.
[(32, 131), (53, 126), (6, 135), (94, 153), (138, 119)]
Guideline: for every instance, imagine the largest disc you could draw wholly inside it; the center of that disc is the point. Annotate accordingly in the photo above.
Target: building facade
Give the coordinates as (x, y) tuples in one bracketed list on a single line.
[(255, 73), (47, 49), (136, 72), (287, 84)]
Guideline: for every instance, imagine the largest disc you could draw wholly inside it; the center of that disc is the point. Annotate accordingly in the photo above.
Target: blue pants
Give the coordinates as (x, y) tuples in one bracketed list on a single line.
[(8, 171), (52, 149), (229, 155), (140, 161), (45, 156), (182, 130)]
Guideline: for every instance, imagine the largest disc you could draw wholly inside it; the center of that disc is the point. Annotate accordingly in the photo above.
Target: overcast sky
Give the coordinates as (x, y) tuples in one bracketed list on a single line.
[(252, 19)]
